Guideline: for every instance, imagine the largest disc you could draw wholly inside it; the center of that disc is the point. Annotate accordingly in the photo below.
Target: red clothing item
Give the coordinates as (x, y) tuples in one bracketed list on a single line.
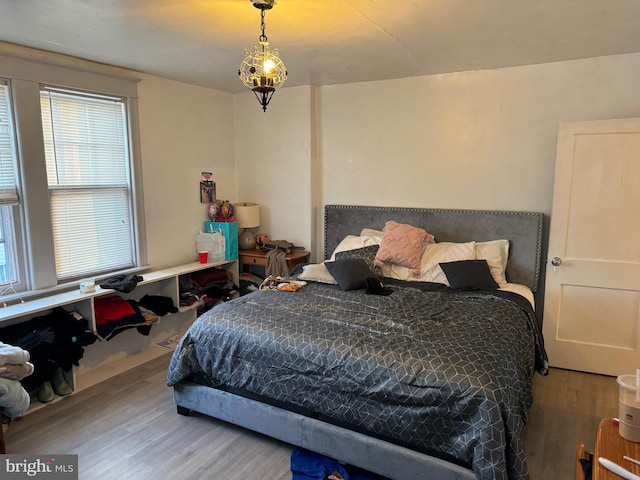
[(111, 309)]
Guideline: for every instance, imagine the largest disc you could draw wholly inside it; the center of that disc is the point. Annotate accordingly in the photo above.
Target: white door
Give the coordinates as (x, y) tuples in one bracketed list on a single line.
[(592, 296)]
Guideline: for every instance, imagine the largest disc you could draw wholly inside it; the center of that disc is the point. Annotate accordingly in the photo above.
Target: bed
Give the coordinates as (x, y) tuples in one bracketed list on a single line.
[(427, 382)]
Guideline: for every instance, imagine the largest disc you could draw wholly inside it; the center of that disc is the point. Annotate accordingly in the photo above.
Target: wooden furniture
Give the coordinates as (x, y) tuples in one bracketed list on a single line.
[(609, 444), (105, 359), (258, 257), (581, 454)]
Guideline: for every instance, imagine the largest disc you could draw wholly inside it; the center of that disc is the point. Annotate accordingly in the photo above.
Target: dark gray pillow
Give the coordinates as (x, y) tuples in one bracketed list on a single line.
[(368, 254), (469, 275), (350, 273)]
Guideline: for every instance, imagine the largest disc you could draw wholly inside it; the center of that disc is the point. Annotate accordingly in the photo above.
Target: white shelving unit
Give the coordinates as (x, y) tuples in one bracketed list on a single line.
[(105, 359)]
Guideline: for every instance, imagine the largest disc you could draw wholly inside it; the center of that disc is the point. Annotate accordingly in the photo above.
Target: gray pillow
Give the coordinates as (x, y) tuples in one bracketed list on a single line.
[(350, 273), (469, 275), (368, 254)]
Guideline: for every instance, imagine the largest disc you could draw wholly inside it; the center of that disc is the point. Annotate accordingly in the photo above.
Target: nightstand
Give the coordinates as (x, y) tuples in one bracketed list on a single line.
[(609, 444), (257, 257)]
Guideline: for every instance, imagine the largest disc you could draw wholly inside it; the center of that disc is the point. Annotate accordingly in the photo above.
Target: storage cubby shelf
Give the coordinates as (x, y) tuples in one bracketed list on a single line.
[(105, 359)]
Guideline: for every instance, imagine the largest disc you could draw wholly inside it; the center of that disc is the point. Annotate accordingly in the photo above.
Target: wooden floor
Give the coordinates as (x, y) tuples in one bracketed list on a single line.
[(127, 428)]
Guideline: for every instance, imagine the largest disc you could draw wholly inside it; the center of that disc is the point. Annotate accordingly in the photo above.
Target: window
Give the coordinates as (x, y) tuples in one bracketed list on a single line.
[(8, 188), (71, 206), (89, 179)]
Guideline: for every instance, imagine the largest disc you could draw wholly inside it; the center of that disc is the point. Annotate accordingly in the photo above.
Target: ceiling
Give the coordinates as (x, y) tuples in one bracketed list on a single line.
[(323, 42)]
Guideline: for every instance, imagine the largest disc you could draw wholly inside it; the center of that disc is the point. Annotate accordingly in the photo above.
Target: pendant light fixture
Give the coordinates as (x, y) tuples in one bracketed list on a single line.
[(262, 70)]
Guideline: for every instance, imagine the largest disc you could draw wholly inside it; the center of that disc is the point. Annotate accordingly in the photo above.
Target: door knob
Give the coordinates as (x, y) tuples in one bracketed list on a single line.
[(556, 261)]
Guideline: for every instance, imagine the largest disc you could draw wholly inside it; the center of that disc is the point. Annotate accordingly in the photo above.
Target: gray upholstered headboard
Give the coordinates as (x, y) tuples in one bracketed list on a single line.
[(524, 230)]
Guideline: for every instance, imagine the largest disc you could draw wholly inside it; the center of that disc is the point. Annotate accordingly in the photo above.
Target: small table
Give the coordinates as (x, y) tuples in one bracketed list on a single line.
[(258, 257), (609, 444)]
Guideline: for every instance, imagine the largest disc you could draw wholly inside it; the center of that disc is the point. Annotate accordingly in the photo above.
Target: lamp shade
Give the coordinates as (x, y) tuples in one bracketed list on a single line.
[(247, 214)]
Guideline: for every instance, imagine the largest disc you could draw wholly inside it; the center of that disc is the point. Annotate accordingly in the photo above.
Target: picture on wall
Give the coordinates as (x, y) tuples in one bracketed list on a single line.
[(207, 188)]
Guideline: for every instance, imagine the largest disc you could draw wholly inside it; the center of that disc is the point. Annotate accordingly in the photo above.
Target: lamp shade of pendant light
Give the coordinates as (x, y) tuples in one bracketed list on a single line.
[(262, 70)]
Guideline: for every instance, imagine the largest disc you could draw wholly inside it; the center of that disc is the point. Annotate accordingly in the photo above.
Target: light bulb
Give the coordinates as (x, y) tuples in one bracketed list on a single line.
[(268, 65)]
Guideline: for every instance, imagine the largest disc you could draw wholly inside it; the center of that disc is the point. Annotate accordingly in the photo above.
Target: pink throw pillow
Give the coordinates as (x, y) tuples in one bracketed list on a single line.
[(402, 244)]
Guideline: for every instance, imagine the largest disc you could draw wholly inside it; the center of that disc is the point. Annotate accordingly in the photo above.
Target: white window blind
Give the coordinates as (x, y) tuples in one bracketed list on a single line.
[(8, 189), (87, 156)]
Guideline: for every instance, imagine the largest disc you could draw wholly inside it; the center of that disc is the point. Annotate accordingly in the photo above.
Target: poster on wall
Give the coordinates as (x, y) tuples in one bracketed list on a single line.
[(207, 188)]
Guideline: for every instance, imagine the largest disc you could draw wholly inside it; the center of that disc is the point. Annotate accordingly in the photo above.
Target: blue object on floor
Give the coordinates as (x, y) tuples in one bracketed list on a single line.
[(313, 466), (306, 465), (359, 474)]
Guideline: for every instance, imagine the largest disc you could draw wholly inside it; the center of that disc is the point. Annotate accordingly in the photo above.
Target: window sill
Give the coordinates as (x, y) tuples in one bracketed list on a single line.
[(165, 281), (30, 295)]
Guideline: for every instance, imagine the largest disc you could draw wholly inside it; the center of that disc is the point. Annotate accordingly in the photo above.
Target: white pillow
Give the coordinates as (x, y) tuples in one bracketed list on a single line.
[(496, 253), (351, 242), (443, 252), (370, 232), (317, 272), (398, 272), (522, 290), (432, 255)]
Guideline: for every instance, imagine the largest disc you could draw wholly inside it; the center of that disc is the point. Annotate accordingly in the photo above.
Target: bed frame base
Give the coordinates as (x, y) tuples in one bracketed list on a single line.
[(344, 445)]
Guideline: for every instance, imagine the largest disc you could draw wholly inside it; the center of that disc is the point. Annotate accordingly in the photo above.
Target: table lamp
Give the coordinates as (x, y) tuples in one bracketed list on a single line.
[(247, 216)]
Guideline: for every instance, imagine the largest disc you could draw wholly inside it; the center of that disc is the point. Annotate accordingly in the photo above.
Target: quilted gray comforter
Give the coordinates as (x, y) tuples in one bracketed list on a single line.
[(447, 373)]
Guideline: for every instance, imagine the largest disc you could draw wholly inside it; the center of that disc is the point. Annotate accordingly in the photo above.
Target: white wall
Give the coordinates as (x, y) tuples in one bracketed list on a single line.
[(483, 139), (184, 130), (478, 140), (274, 154)]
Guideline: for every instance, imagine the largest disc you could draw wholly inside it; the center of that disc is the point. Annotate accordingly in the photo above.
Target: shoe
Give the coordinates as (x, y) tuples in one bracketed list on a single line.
[(68, 377), (60, 386), (45, 392)]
